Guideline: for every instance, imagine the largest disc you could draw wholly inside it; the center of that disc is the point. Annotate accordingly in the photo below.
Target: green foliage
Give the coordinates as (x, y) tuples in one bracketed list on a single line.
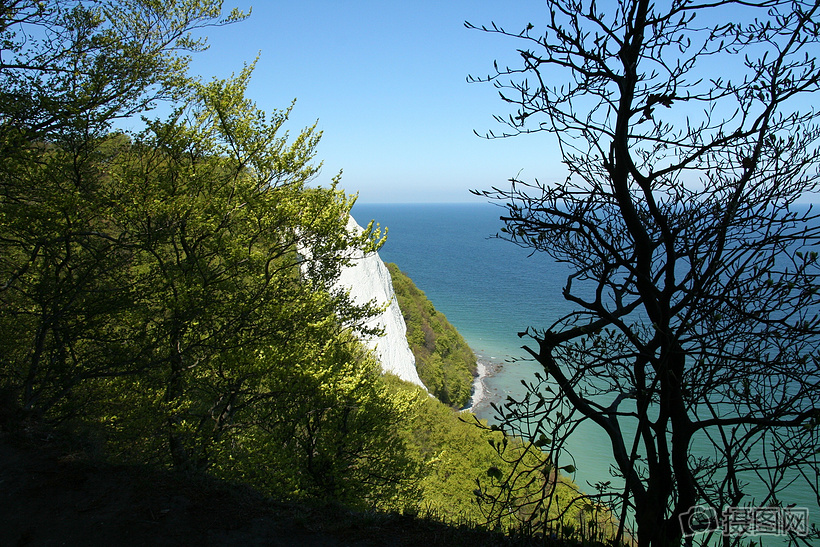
[(526, 492), (445, 362), (69, 68), (171, 289), (452, 451), (331, 433), (173, 285), (471, 472)]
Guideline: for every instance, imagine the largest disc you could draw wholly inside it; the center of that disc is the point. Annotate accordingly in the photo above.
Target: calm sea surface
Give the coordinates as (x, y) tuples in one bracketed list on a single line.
[(490, 290)]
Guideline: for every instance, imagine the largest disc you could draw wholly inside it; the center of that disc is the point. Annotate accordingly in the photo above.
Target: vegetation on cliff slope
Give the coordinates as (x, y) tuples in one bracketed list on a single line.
[(458, 456), (170, 288), (444, 361), (168, 292)]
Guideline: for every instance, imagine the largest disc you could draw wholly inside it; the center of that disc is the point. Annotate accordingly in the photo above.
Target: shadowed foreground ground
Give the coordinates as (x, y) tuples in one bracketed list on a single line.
[(51, 495)]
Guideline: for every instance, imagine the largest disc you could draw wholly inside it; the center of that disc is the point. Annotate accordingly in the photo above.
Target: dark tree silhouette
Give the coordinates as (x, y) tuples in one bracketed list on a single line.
[(689, 138)]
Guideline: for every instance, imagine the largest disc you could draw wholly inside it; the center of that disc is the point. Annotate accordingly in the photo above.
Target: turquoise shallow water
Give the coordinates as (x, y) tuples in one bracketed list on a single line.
[(491, 290)]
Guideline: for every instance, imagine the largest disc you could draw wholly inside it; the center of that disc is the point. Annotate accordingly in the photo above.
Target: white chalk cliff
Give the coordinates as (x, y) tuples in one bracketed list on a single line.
[(367, 278)]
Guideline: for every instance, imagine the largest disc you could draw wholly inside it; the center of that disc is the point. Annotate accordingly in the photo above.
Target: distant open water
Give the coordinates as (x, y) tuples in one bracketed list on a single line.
[(490, 290)]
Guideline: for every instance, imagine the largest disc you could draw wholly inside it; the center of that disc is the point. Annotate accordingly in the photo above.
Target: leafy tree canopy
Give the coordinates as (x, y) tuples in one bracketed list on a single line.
[(169, 291), (172, 287)]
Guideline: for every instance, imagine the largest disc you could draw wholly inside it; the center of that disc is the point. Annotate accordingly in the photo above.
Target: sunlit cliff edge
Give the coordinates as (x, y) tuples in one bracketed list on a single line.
[(367, 278)]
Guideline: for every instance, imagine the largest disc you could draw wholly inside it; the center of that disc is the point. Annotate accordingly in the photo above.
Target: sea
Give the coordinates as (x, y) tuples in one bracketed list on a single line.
[(491, 290)]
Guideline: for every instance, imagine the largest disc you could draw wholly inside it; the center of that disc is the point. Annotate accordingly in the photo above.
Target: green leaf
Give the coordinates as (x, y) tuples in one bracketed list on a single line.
[(495, 473), (542, 441)]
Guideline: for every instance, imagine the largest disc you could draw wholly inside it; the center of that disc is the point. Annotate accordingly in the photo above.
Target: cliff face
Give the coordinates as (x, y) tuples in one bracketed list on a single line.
[(367, 278)]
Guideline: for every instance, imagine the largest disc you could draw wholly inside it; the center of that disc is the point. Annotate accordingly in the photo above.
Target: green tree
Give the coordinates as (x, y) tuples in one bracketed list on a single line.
[(687, 133), (233, 259), (67, 71), (174, 284), (69, 68), (331, 429)]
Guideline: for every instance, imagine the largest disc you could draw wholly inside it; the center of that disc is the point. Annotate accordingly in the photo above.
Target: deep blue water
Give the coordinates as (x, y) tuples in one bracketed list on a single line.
[(490, 290)]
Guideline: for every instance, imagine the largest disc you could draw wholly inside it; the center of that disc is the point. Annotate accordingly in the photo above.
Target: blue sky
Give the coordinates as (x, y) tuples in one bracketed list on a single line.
[(386, 81)]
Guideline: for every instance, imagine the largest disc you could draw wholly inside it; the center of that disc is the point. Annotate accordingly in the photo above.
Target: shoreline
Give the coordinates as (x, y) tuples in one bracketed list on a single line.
[(479, 393)]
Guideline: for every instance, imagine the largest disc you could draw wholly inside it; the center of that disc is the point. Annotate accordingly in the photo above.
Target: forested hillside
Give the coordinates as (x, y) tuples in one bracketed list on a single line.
[(166, 292), (445, 362)]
